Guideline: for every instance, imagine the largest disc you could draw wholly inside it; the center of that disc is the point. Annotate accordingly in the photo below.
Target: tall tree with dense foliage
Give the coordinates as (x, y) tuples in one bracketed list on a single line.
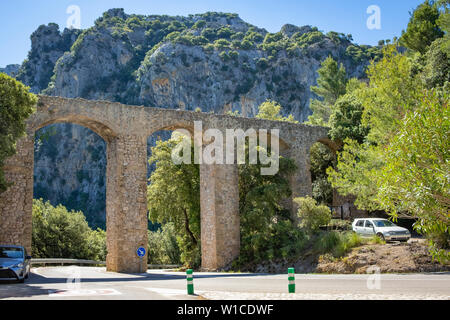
[(423, 27), (173, 196), (416, 176), (267, 230), (346, 119), (402, 164), (435, 68), (391, 92), (321, 158), (266, 226), (331, 84), (16, 105), (59, 233), (444, 23)]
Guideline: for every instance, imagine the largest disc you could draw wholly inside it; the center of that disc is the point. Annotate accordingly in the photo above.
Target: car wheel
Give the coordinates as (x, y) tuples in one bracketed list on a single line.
[(381, 236)]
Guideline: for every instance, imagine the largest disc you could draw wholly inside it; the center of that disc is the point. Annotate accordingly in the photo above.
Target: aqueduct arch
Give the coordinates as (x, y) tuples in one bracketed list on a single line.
[(125, 130)]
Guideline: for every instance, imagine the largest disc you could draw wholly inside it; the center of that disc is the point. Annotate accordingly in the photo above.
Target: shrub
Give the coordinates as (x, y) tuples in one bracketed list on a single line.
[(312, 215), (224, 33), (162, 246), (246, 44), (222, 44), (262, 63), (337, 243), (199, 24), (58, 233)]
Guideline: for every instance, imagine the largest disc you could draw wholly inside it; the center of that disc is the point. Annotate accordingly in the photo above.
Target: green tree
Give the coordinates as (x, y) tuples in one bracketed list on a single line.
[(391, 92), (266, 228), (311, 214), (271, 110), (444, 23), (321, 157), (163, 245), (16, 105), (436, 66), (358, 167), (422, 28), (59, 233), (346, 119), (331, 84), (415, 178), (173, 197)]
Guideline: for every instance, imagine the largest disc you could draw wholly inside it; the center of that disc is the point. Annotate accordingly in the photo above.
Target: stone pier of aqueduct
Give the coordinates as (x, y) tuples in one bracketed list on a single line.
[(125, 130)]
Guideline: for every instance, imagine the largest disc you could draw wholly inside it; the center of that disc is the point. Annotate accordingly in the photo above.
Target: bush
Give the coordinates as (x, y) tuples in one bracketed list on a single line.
[(337, 243), (222, 44), (280, 240), (312, 215), (16, 105), (163, 246), (59, 233), (199, 24)]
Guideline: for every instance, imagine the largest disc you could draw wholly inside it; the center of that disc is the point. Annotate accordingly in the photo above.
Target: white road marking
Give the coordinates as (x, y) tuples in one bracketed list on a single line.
[(168, 292)]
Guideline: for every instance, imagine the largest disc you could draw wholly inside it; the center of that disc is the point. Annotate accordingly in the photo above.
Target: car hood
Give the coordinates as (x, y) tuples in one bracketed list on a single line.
[(387, 229), (7, 262)]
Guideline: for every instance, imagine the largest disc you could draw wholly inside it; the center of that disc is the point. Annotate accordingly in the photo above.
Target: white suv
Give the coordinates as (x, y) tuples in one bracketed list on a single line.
[(383, 228)]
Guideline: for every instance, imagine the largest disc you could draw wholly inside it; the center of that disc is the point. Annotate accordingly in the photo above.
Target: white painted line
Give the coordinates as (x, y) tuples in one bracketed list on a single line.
[(168, 292)]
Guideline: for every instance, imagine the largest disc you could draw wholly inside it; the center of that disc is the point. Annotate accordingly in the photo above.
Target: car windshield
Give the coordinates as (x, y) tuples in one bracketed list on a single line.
[(384, 223), (11, 253)]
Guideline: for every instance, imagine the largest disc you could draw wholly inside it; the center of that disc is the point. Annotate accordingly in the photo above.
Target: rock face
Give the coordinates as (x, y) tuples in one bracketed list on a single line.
[(214, 61), (11, 69)]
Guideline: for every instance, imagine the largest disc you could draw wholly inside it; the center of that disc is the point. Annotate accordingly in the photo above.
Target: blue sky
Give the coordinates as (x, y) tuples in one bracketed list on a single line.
[(20, 18)]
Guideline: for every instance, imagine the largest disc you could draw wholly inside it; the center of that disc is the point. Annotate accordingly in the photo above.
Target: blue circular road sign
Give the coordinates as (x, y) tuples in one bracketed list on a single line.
[(141, 252)]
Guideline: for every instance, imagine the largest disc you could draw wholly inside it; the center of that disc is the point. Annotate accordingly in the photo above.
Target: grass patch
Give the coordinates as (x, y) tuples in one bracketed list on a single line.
[(337, 243)]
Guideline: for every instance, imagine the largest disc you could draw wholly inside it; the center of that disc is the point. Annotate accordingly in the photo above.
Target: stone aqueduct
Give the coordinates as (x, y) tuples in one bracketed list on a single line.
[(125, 130)]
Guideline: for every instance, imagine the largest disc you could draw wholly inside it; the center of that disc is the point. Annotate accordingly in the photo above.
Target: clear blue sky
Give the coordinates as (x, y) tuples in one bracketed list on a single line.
[(19, 18)]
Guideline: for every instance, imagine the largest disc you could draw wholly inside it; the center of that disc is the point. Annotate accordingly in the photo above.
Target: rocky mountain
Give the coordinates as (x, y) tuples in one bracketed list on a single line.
[(214, 61), (11, 69)]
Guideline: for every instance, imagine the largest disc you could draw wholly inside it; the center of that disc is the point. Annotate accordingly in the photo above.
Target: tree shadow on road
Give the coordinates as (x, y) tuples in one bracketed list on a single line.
[(12, 289)]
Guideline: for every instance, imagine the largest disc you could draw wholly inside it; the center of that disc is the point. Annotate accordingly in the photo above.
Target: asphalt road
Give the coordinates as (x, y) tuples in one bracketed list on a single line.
[(96, 284)]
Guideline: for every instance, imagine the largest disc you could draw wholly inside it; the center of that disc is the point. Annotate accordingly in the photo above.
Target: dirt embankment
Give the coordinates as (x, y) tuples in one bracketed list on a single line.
[(395, 257), (389, 258)]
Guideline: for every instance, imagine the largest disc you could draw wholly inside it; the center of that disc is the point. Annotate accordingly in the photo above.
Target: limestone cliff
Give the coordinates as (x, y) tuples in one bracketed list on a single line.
[(213, 61), (11, 70)]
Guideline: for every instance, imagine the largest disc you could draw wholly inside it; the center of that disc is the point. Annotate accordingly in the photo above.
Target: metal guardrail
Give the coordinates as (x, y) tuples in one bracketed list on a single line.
[(66, 261), (93, 262)]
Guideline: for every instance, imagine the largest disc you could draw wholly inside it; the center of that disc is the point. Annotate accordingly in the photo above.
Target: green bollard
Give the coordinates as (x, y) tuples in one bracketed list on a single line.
[(291, 278), (190, 281)]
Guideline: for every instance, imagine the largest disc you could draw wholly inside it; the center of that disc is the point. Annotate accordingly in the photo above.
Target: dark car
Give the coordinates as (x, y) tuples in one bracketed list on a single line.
[(14, 263)]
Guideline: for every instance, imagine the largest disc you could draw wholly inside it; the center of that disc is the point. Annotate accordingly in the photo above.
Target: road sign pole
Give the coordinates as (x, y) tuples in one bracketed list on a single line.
[(291, 279), (141, 254), (190, 281)]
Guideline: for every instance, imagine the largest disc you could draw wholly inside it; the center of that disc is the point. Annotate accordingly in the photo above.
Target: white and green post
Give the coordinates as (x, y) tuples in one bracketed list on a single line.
[(291, 279), (190, 281)]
